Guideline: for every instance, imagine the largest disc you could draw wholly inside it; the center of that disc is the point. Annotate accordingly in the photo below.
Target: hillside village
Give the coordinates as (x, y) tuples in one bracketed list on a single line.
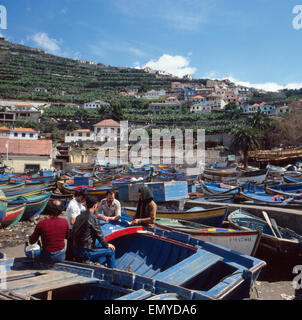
[(71, 102)]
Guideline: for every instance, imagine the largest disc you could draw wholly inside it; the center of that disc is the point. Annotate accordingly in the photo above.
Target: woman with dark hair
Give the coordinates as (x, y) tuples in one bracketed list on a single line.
[(146, 208), (53, 231)]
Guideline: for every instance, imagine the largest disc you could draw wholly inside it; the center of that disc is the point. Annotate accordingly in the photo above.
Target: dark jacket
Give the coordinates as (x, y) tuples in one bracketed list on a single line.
[(146, 207), (86, 230)]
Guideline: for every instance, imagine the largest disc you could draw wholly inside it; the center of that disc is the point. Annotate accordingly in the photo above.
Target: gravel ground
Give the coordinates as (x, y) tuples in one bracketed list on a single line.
[(274, 282)]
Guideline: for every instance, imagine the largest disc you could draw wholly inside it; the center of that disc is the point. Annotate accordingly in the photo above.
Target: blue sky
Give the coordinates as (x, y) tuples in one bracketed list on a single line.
[(250, 42)]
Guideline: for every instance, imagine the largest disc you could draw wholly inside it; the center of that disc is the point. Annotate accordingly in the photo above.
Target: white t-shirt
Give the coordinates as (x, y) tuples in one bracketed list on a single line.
[(73, 210)]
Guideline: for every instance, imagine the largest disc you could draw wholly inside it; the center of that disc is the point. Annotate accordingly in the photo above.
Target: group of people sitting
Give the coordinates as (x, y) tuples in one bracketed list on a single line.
[(82, 227)]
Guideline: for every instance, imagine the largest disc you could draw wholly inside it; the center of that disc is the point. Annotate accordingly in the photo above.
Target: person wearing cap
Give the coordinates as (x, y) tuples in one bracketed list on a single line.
[(146, 208), (85, 231), (110, 207), (53, 231)]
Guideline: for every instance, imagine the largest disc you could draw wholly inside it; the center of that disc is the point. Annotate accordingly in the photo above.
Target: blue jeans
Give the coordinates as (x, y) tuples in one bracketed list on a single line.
[(52, 257), (99, 255)]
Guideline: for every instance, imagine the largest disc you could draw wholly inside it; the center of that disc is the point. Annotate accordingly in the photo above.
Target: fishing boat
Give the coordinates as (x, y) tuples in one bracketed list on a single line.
[(3, 206), (288, 179), (13, 216), (27, 190), (290, 189), (218, 189), (76, 281), (255, 177), (221, 176), (10, 186), (212, 217), (274, 240), (242, 241), (99, 191), (177, 259), (35, 204), (226, 166)]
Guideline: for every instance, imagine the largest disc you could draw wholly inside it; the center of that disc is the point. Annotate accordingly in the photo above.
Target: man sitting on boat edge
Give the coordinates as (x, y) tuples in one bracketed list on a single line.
[(146, 208), (111, 208), (86, 230), (53, 231)]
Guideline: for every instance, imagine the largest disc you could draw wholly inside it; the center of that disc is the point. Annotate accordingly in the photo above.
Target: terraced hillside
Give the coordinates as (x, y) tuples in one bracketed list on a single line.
[(67, 80)]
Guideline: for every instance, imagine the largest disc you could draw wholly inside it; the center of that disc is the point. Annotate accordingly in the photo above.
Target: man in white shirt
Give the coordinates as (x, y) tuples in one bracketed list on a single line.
[(110, 207), (75, 207)]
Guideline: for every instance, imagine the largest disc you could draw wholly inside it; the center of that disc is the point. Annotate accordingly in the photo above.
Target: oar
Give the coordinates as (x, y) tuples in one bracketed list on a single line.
[(269, 222), (274, 223)]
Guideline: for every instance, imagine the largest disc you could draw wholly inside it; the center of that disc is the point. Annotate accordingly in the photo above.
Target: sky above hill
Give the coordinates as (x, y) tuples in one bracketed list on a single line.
[(256, 43)]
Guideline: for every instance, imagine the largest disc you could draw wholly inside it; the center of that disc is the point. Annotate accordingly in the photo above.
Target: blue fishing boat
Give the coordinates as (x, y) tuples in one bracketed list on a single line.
[(211, 216), (289, 179), (76, 281), (26, 191), (282, 242), (177, 259), (3, 206), (290, 189), (34, 204)]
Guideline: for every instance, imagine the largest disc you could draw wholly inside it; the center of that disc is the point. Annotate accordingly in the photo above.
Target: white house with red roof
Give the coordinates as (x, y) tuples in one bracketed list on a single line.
[(108, 130), (24, 133), (79, 135), (105, 130)]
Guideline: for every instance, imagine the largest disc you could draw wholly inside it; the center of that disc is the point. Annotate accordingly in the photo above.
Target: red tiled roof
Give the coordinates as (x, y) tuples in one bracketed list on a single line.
[(4, 129), (82, 130), (23, 130), (107, 123), (26, 147)]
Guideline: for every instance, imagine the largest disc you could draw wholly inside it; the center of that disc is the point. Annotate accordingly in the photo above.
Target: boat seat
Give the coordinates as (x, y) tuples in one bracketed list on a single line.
[(137, 295), (188, 268)]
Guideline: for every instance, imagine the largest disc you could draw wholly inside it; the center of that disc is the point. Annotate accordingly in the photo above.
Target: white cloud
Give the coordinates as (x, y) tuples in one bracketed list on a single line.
[(267, 86), (43, 41), (175, 65)]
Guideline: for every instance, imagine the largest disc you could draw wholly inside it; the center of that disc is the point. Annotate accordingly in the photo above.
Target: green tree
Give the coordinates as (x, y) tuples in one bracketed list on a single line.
[(245, 138)]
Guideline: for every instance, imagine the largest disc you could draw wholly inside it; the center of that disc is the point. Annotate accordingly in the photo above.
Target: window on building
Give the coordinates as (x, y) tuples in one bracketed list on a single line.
[(31, 135), (23, 135), (15, 134)]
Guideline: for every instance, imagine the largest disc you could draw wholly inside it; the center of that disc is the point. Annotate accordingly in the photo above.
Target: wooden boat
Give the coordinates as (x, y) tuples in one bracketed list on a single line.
[(99, 191), (275, 240), (290, 190), (212, 217), (263, 197), (76, 281), (242, 241), (221, 176), (255, 177), (10, 186), (35, 204), (26, 191), (177, 259), (288, 179), (3, 206), (218, 188), (13, 216)]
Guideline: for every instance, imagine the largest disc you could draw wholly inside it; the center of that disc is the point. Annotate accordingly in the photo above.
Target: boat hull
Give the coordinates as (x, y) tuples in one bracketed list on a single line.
[(212, 217), (13, 216), (245, 242)]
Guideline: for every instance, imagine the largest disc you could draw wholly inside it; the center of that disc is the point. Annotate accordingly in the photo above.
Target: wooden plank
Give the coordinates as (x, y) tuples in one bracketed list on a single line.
[(188, 269), (18, 273), (49, 286), (51, 276), (137, 295)]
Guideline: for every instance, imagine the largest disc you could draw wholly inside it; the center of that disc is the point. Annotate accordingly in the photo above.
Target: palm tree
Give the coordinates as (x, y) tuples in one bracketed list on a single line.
[(245, 138)]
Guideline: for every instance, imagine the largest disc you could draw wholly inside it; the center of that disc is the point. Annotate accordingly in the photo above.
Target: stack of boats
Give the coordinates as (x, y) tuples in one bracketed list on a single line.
[(24, 197)]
